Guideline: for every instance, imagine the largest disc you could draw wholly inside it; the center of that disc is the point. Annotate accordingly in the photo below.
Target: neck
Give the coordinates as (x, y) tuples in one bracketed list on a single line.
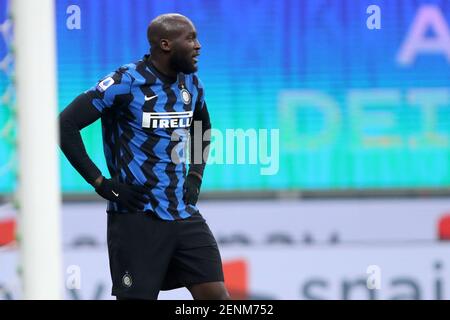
[(163, 66)]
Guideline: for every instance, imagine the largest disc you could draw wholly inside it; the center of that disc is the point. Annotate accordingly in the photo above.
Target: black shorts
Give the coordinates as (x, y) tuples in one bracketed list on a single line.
[(148, 254)]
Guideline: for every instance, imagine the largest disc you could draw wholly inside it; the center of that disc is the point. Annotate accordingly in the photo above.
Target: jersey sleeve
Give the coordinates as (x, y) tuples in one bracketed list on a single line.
[(109, 91)]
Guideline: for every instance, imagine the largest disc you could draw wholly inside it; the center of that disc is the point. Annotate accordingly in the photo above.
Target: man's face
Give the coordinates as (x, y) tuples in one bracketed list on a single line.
[(185, 49)]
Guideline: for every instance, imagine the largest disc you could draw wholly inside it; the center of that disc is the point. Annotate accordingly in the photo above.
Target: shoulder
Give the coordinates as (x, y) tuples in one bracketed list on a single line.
[(120, 76), (196, 81), (195, 85), (126, 72), (139, 73), (193, 82), (116, 82)]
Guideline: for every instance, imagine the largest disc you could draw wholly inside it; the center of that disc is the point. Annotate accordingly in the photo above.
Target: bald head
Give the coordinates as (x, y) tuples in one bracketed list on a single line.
[(174, 44), (166, 26)]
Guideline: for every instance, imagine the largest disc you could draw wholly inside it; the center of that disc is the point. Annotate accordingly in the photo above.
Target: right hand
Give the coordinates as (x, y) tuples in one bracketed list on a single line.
[(131, 196)]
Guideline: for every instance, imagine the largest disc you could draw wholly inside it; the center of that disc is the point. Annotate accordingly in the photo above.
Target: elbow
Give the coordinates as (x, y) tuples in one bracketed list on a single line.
[(67, 128), (64, 126), (206, 125)]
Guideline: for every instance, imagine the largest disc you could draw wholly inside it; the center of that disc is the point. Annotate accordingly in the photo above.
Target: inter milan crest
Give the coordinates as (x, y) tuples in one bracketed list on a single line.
[(185, 96), (126, 280)]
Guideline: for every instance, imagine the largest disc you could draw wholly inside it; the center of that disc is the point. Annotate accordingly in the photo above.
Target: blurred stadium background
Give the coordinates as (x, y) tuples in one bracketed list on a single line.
[(359, 208)]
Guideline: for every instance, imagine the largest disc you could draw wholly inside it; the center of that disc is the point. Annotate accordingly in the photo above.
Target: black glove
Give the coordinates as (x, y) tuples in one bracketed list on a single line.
[(192, 189), (131, 196)]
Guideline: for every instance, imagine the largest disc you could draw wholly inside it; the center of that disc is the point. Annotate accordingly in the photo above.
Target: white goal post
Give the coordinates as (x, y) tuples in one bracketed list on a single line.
[(39, 190)]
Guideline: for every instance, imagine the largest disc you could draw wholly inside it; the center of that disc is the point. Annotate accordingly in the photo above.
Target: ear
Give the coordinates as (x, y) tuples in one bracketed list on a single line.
[(165, 45)]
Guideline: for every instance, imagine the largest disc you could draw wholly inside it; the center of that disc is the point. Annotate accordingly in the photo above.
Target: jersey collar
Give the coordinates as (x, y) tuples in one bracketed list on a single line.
[(164, 78)]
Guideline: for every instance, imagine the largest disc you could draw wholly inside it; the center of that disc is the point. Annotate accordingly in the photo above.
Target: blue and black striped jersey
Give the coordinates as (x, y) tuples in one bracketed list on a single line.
[(145, 125)]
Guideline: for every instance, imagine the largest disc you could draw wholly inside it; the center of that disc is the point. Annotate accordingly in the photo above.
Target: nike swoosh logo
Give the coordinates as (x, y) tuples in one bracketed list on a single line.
[(116, 194), (150, 98)]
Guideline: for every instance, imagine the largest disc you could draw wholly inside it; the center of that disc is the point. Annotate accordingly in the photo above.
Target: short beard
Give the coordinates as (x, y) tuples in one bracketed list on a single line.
[(180, 64)]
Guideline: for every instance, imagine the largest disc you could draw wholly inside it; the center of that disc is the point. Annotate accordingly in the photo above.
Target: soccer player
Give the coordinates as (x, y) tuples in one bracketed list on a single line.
[(157, 238)]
